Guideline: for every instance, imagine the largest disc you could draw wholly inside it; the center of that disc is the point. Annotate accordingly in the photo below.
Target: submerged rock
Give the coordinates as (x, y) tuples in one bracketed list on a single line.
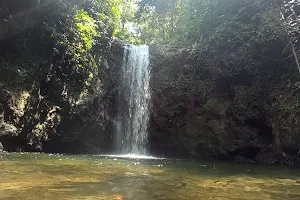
[(180, 184)]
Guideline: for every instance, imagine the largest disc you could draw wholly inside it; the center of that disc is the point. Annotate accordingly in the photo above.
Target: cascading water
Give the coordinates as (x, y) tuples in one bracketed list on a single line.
[(134, 101)]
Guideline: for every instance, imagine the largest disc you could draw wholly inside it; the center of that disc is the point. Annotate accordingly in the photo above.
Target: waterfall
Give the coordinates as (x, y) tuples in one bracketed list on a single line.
[(133, 101)]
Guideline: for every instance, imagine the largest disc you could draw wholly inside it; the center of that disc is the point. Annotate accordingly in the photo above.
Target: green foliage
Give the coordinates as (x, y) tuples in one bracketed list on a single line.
[(86, 30), (190, 21), (128, 29), (158, 20)]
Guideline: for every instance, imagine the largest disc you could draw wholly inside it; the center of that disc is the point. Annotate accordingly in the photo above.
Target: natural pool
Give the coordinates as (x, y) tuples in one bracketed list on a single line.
[(42, 176)]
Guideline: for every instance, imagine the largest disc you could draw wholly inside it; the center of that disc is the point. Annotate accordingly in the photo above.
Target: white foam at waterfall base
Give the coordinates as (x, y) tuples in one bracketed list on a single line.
[(133, 156)]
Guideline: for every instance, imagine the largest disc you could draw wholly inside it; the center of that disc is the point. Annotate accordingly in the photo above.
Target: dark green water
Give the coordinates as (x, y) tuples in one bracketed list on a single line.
[(41, 176)]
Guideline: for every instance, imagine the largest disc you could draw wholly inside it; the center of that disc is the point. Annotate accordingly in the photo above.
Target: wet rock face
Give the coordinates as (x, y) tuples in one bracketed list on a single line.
[(51, 118), (88, 126), (215, 112)]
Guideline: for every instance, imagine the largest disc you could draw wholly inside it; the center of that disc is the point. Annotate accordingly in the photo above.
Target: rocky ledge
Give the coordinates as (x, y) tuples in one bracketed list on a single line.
[(228, 109)]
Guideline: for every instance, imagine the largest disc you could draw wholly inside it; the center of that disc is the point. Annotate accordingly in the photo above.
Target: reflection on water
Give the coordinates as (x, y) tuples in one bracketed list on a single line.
[(40, 176)]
